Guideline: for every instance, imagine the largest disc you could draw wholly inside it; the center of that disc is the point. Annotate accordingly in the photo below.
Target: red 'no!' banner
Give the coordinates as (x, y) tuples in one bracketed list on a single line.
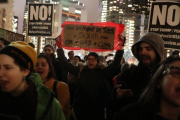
[(102, 36)]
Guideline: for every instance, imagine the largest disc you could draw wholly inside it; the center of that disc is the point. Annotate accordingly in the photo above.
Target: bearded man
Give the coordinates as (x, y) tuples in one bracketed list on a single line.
[(149, 51)]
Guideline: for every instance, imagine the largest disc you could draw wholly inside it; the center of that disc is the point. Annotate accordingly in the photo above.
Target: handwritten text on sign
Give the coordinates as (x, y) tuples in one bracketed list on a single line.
[(94, 37), (40, 19), (11, 36)]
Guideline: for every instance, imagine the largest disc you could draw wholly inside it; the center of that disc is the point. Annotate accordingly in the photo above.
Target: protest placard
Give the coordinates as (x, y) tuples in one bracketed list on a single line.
[(40, 19), (11, 36), (164, 19), (3, 1), (51, 41), (94, 37)]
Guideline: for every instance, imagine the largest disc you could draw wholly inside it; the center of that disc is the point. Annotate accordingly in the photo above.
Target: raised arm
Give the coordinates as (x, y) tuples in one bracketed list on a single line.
[(67, 66)]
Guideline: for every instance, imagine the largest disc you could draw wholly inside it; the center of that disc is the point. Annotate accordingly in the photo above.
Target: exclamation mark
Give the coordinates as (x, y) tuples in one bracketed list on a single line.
[(49, 11)]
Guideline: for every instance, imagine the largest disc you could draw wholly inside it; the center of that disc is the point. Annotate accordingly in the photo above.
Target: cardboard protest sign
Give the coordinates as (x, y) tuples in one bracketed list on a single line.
[(11, 36), (3, 1), (91, 36), (165, 20), (94, 37), (50, 41), (40, 19)]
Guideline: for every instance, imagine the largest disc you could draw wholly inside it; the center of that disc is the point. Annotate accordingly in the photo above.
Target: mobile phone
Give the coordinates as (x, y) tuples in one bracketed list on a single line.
[(124, 86)]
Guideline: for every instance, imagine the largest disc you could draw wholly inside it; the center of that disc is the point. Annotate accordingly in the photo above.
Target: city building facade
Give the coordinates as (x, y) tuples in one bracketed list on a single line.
[(15, 26), (7, 15), (133, 14)]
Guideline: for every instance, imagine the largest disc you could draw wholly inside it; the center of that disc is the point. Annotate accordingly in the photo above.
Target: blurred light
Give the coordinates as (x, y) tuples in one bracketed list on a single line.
[(129, 5)]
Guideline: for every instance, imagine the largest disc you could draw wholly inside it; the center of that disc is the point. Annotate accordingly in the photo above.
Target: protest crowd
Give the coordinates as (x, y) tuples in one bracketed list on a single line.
[(50, 87)]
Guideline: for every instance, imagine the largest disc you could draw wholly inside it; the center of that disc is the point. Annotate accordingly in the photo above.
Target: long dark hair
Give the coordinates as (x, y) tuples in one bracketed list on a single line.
[(51, 73), (152, 95)]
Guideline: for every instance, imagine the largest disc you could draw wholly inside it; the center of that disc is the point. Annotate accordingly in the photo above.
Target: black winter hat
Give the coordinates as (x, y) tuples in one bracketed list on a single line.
[(93, 54), (175, 52)]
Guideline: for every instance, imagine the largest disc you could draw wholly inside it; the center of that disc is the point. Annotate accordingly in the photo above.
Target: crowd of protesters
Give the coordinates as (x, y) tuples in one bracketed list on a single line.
[(50, 87)]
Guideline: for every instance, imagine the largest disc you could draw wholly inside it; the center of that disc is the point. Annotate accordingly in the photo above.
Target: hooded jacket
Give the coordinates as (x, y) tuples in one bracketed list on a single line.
[(137, 78), (155, 41), (32, 103), (55, 111)]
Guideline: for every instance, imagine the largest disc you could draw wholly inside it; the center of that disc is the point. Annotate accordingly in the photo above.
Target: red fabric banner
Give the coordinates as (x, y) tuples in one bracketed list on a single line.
[(118, 39)]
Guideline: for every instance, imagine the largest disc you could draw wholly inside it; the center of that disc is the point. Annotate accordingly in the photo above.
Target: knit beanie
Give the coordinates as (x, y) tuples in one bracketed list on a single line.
[(49, 45), (93, 54), (23, 54)]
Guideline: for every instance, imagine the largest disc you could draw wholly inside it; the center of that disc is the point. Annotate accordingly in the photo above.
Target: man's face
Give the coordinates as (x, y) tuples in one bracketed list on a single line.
[(101, 61), (147, 54), (48, 51), (71, 55)]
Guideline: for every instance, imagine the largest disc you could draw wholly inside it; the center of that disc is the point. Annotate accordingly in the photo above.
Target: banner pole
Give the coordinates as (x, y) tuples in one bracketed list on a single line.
[(38, 45), (165, 53)]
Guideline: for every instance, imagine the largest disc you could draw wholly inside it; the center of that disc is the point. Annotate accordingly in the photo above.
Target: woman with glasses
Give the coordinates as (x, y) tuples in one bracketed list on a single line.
[(161, 99), (91, 95)]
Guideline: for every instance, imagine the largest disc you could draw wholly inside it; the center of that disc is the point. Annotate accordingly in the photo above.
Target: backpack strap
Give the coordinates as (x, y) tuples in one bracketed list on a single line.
[(47, 108), (54, 88)]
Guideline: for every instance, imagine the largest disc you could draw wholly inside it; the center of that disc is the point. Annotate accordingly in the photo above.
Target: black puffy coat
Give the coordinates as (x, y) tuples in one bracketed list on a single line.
[(91, 95)]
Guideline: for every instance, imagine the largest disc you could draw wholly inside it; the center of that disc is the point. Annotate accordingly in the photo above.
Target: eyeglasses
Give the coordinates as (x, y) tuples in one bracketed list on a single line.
[(173, 70), (92, 59)]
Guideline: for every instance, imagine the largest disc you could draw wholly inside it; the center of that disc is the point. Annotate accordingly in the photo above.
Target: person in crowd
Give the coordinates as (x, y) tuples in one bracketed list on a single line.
[(3, 43), (124, 67), (84, 60), (59, 72), (77, 60), (175, 53), (90, 98), (31, 44), (110, 59), (71, 56), (72, 80), (161, 99), (149, 51), (22, 94), (45, 69), (102, 61)]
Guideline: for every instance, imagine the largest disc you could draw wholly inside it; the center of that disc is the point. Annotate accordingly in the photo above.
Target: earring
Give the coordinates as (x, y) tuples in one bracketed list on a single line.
[(23, 79)]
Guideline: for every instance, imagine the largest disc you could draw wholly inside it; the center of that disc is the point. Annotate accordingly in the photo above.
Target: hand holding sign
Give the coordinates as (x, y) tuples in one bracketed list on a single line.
[(121, 41), (59, 41)]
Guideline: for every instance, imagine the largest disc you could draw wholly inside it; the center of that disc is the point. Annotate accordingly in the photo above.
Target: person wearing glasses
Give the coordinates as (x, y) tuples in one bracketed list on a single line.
[(91, 95), (161, 98)]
